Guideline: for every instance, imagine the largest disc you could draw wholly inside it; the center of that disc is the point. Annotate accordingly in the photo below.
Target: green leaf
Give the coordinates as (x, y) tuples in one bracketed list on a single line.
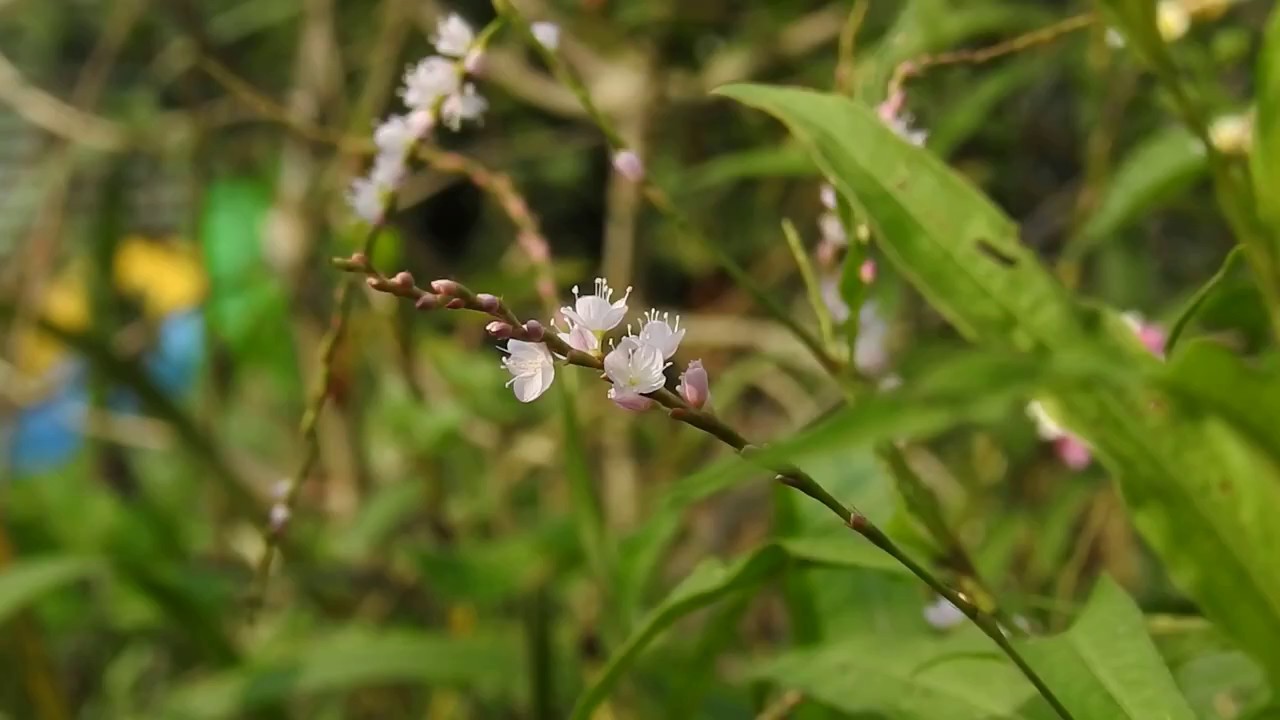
[(26, 580), (714, 579), (957, 677), (1213, 379), (1265, 157), (350, 659), (1164, 164), (1206, 291), (1105, 667), (1195, 489), (965, 388)]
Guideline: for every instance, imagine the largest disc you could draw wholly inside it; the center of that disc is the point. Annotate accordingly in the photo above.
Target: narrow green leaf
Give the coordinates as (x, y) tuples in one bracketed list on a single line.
[(26, 580), (715, 579), (350, 659), (1216, 381), (1202, 295), (1164, 164), (1105, 667), (957, 677), (1195, 490), (1266, 148)]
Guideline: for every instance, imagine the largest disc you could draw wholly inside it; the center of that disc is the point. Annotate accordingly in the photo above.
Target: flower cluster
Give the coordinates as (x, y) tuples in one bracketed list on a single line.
[(434, 90), (1070, 448), (635, 365)]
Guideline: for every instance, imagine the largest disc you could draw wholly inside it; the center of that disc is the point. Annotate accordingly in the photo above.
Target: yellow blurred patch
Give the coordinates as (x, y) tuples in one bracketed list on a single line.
[(162, 276), (165, 276)]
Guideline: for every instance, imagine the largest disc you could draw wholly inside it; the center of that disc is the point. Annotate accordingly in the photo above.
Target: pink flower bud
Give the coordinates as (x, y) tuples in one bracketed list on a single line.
[(629, 165), (402, 280), (488, 303), (1072, 451), (474, 64), (448, 288), (867, 271), (534, 331), (630, 401), (456, 304), (427, 301), (695, 385), (499, 329)]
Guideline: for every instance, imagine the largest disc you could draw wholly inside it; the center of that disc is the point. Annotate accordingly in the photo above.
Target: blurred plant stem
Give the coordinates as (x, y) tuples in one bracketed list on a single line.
[(43, 689)]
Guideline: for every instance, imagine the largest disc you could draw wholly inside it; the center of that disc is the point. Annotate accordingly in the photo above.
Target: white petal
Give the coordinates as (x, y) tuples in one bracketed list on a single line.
[(529, 387)]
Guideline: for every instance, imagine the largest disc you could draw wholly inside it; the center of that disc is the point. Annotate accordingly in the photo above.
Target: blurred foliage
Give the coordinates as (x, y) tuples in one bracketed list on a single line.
[(173, 177)]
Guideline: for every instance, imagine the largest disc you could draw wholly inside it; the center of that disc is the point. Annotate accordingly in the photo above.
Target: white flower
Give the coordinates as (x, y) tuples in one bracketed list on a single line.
[(453, 36), (398, 132), (462, 105), (597, 312), (634, 369), (531, 366), (579, 337), (1172, 20), (661, 333), (827, 194), (546, 33), (1046, 427), (367, 198), (1232, 134), (831, 229), (387, 171), (942, 615), (429, 80)]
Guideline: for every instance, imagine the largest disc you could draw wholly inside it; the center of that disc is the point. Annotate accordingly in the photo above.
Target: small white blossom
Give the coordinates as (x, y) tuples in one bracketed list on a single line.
[(395, 134), (943, 615), (1172, 20), (387, 171), (367, 198), (597, 312), (429, 80), (661, 333), (1046, 427), (579, 337), (453, 36), (634, 369), (827, 194), (832, 230), (532, 369), (546, 33), (1232, 134), (462, 105)]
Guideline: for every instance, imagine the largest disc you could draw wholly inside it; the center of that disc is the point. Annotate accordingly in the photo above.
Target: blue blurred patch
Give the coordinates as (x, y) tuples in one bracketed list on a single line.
[(49, 433)]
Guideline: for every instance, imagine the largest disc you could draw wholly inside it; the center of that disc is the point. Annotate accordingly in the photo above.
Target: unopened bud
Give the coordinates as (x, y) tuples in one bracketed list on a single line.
[(533, 330), (456, 304), (474, 63), (488, 303), (402, 280), (630, 401), (695, 385), (427, 301), (629, 165), (448, 288), (867, 272), (499, 329)]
